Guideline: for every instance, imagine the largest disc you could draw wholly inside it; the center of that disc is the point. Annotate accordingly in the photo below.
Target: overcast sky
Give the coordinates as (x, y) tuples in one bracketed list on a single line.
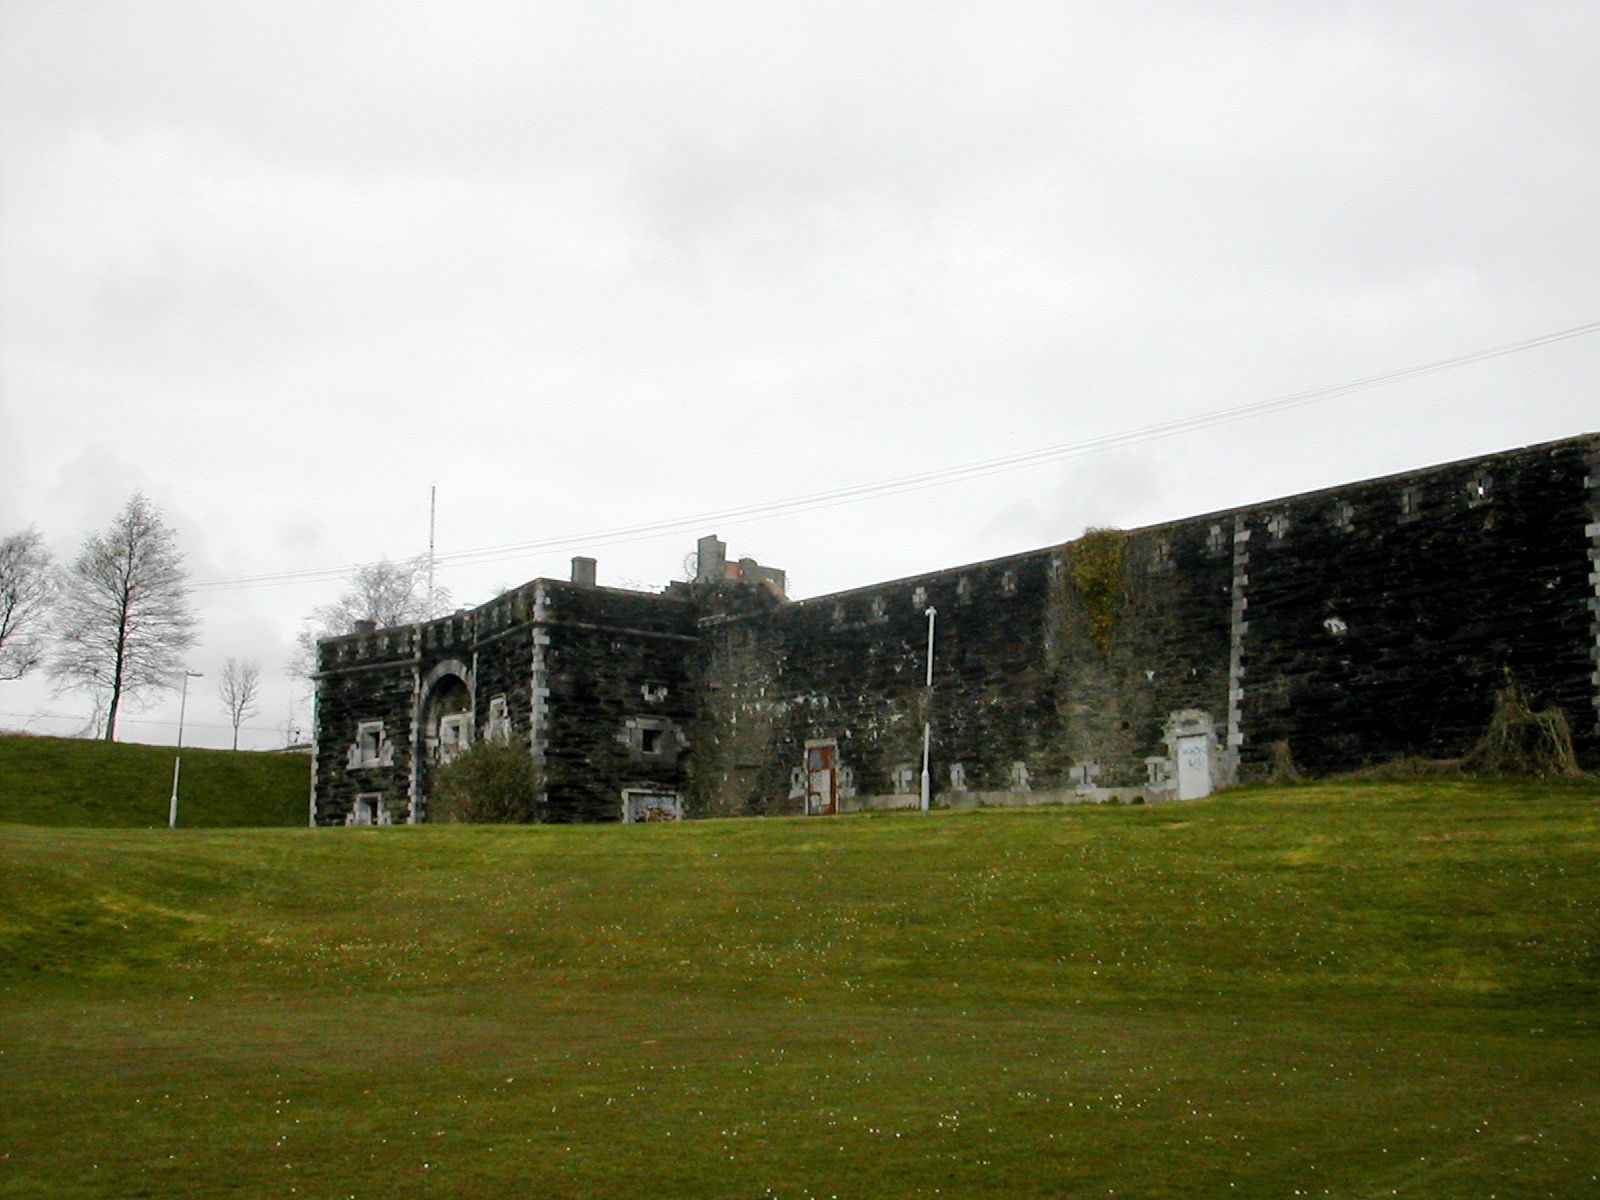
[(283, 266)]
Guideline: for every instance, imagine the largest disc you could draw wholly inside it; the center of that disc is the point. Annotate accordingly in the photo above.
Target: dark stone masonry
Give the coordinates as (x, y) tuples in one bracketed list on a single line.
[(1355, 624)]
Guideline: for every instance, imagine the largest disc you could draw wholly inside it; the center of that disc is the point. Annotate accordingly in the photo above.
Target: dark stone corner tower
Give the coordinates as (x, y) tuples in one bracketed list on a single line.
[(1354, 624)]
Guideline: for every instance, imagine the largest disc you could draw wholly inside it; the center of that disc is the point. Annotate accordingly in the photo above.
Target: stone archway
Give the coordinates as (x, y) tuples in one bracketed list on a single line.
[(445, 719)]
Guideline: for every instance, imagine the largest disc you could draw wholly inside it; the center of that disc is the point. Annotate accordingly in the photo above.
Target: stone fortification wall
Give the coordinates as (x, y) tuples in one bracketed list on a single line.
[(1357, 624), (1382, 617), (377, 712), (1040, 682), (365, 680), (500, 654), (616, 666), (595, 681)]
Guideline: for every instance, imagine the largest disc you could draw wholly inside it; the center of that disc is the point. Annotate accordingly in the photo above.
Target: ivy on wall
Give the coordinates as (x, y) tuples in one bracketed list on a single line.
[(1096, 563)]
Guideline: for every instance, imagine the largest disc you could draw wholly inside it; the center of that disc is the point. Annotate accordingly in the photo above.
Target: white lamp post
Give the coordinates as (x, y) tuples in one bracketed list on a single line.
[(177, 761), (927, 723)]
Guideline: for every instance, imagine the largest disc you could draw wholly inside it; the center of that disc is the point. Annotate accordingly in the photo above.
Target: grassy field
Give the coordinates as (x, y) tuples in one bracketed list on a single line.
[(1351, 991), (73, 781)]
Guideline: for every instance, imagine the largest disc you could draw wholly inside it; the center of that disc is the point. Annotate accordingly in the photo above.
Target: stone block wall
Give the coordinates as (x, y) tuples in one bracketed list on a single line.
[(734, 766), (1157, 645), (364, 679), (1025, 696), (620, 700), (1356, 624), (1383, 617), (855, 670)]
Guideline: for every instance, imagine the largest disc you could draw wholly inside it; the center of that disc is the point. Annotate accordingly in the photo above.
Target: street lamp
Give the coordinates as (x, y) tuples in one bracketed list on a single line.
[(927, 714), (177, 761)]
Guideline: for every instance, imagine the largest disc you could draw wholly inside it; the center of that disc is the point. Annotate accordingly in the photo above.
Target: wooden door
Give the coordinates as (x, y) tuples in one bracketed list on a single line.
[(822, 778)]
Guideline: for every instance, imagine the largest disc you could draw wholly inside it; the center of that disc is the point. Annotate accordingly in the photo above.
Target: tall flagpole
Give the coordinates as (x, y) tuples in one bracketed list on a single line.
[(433, 494)]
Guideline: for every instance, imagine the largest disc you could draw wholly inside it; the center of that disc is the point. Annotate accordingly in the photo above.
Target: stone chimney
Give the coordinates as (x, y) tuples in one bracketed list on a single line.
[(711, 560), (365, 627), (583, 570)]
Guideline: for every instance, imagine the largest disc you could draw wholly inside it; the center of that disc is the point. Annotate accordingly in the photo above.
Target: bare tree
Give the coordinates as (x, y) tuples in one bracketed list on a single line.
[(239, 688), (27, 588), (385, 593), (123, 620)]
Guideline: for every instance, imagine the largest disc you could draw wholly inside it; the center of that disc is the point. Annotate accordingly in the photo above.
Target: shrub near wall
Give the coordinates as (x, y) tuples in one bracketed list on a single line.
[(490, 783)]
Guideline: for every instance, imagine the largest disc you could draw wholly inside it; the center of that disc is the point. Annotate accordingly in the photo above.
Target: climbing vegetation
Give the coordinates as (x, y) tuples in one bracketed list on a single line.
[(1095, 562)]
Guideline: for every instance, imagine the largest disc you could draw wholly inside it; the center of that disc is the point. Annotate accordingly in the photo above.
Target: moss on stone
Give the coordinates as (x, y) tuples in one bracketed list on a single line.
[(1097, 561)]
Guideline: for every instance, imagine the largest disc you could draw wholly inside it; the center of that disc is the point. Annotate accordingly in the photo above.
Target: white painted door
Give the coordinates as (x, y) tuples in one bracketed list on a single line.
[(1194, 766)]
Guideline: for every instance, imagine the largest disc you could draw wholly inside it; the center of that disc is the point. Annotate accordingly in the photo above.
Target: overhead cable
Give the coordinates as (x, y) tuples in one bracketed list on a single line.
[(942, 475)]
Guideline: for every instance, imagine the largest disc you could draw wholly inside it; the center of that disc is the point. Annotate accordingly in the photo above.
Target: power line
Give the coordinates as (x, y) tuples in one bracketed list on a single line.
[(942, 475)]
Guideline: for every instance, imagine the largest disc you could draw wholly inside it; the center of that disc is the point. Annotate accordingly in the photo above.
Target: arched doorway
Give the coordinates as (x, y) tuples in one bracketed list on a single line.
[(445, 723), (447, 719)]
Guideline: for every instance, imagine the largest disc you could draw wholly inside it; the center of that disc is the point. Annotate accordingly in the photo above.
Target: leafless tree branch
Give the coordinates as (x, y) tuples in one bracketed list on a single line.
[(27, 588), (386, 593), (123, 620), (239, 688)]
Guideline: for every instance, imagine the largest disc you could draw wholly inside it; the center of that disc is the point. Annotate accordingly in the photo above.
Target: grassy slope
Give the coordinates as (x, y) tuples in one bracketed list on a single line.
[(71, 781), (1343, 991)]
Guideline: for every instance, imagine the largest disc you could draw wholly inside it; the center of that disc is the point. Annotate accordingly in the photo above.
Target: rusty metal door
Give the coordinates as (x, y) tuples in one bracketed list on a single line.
[(822, 778)]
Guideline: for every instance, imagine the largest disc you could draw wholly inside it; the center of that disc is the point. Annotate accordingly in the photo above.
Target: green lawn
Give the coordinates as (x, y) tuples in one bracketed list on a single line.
[(1352, 991), (74, 781)]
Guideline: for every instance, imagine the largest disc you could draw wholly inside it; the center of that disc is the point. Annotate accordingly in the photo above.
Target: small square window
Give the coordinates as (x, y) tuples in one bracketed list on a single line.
[(499, 721), (652, 739), (455, 735), (371, 747), (370, 808)]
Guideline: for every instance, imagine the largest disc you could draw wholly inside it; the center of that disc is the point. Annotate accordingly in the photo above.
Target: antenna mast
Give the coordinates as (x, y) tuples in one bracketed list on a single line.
[(433, 495)]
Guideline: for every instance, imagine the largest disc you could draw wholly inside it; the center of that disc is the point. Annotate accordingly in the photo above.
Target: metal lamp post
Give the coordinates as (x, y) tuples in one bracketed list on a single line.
[(177, 761), (927, 722)]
